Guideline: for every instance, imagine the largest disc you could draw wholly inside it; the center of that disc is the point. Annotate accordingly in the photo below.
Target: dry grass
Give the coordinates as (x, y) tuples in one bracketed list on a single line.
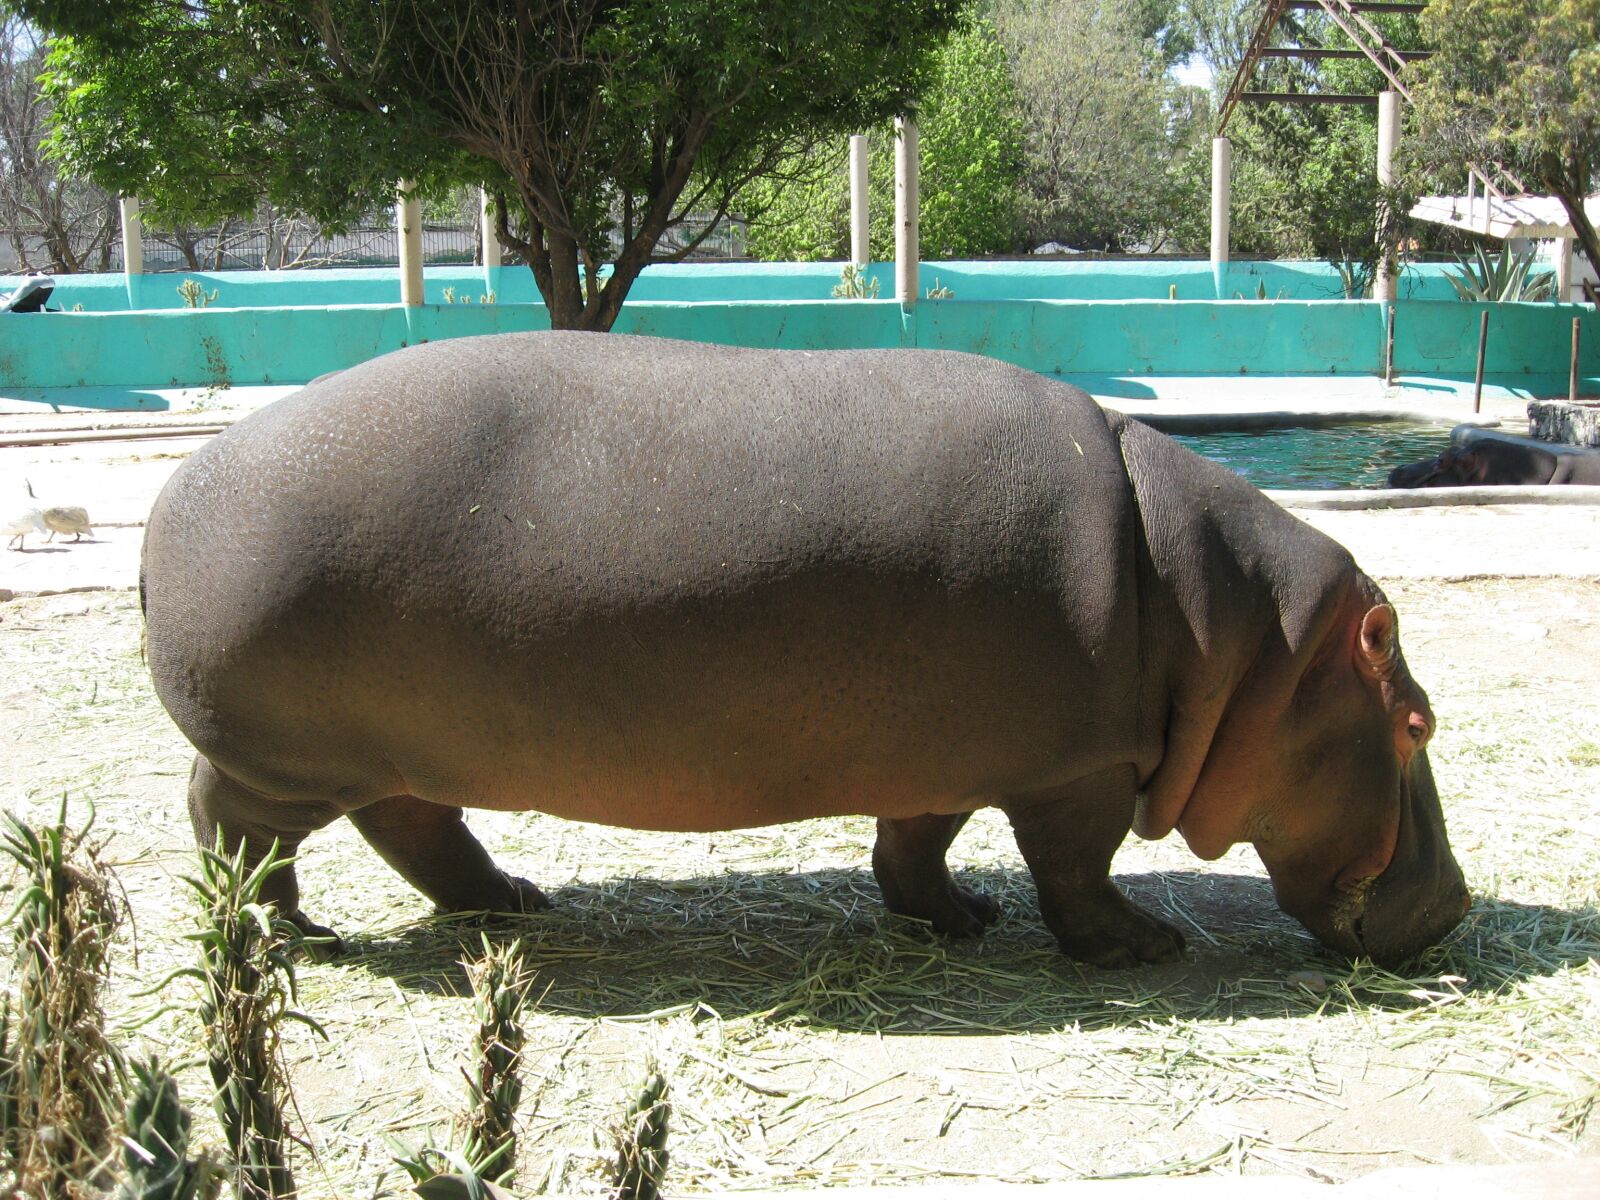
[(811, 1039)]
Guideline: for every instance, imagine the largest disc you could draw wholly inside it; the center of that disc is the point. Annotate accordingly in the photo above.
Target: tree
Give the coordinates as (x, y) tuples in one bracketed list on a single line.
[(1515, 82), (1104, 125), (597, 124), (970, 152), (52, 223)]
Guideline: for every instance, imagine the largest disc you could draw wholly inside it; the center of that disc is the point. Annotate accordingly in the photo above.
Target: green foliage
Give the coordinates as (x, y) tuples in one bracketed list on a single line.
[(59, 1075), (969, 141), (1514, 82), (598, 126), (642, 1155), (155, 1145), (855, 284), (195, 295), (1505, 277), (1106, 131), (501, 983), (246, 972)]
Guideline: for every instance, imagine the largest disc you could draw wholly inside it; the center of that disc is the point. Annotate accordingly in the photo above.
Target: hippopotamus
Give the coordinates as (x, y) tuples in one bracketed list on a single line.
[(1478, 457), (673, 586)]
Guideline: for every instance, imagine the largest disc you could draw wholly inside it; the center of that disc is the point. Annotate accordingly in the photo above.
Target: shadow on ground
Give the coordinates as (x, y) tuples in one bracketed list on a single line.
[(817, 947)]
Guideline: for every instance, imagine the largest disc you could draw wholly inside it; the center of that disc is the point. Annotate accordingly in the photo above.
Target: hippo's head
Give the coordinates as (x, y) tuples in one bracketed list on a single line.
[(1454, 467), (1328, 777)]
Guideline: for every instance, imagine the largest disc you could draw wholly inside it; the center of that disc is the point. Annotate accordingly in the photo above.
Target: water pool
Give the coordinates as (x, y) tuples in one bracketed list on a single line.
[(1320, 457)]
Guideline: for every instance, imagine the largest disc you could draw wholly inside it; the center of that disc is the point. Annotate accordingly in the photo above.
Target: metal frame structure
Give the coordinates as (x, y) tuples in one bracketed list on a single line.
[(1367, 39)]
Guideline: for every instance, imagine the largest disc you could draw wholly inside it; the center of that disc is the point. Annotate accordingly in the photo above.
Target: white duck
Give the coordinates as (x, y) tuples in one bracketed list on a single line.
[(21, 518)]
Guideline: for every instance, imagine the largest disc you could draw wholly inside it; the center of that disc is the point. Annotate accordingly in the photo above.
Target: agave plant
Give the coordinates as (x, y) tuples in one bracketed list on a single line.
[(1506, 277)]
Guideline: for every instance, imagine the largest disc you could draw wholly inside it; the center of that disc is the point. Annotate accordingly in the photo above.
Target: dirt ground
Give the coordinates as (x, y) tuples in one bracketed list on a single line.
[(810, 1039)]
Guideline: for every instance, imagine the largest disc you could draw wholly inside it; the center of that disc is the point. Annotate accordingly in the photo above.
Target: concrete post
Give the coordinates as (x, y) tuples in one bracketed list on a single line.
[(132, 236), (1563, 270), (408, 220), (906, 249), (491, 239), (1386, 282), (1221, 168), (860, 242)]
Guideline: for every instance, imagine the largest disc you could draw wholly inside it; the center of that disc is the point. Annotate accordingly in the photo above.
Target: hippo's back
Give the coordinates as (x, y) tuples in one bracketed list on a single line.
[(591, 573)]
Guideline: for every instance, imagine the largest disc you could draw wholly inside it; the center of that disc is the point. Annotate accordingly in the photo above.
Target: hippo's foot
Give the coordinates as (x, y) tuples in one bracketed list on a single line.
[(908, 862), (1107, 929), (507, 894), (952, 910), (318, 942)]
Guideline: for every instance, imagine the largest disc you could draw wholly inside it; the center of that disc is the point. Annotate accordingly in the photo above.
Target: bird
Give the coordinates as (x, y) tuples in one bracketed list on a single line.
[(67, 518), (22, 517)]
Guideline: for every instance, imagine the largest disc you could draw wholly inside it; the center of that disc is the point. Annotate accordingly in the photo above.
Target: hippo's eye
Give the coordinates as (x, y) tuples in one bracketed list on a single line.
[(1417, 727)]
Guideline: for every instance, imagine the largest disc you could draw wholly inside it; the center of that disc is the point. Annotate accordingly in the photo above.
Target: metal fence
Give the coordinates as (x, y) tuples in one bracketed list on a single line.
[(291, 244)]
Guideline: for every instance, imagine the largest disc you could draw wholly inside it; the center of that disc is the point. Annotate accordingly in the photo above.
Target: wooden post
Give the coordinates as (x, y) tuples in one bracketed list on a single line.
[(1483, 341), (860, 228), (491, 239), (906, 248), (1563, 270), (408, 220), (1221, 166), (1572, 375)]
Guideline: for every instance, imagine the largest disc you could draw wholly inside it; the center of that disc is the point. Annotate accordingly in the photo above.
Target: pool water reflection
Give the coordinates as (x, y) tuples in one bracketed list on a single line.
[(1323, 457)]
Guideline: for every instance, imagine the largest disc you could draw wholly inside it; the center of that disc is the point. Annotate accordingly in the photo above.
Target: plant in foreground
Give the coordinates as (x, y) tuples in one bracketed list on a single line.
[(59, 1073), (501, 984), (155, 1143), (247, 976), (642, 1142)]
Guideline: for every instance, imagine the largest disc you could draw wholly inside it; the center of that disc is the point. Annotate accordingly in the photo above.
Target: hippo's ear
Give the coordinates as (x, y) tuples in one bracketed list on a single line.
[(1378, 652)]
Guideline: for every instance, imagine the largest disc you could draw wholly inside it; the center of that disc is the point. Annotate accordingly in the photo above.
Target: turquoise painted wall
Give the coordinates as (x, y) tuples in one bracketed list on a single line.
[(1054, 279), (218, 346)]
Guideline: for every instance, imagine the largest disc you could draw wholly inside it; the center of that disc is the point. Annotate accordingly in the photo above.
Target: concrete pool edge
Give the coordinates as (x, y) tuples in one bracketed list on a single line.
[(1454, 497)]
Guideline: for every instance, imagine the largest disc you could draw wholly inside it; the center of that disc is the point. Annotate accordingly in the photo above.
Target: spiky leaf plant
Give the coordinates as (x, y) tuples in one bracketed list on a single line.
[(246, 971), (155, 1143), (1506, 277), (642, 1142), (59, 1073), (501, 983)]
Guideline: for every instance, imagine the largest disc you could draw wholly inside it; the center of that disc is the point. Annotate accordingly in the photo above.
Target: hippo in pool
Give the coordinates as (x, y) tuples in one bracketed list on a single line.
[(1478, 457), (673, 586)]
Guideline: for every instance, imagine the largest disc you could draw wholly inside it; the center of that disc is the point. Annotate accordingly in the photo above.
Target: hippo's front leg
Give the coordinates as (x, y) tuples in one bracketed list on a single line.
[(1067, 837), (432, 848)]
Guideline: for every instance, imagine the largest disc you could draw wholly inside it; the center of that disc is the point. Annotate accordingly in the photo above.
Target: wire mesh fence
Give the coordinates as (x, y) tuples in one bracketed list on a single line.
[(290, 244)]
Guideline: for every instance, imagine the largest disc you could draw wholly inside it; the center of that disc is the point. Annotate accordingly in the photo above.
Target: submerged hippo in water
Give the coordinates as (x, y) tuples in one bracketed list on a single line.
[(674, 586), (1478, 457)]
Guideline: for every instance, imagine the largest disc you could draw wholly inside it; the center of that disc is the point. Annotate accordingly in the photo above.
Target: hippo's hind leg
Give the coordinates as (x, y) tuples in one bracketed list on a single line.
[(908, 861), (1067, 837), (431, 846), (256, 820)]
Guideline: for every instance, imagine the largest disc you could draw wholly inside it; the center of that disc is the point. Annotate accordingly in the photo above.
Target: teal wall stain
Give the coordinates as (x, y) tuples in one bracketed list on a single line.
[(173, 346)]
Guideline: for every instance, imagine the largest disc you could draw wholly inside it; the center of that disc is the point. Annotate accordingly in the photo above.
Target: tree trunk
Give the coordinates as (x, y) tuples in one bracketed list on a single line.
[(1583, 228)]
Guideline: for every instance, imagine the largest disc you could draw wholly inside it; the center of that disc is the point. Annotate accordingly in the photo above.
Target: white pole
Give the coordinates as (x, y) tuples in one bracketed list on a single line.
[(132, 236), (1563, 270), (491, 239), (1386, 285), (1221, 167), (906, 248), (860, 252), (408, 220)]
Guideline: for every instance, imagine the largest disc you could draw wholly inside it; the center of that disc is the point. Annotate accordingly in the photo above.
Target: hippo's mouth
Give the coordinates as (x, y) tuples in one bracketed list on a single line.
[(1349, 915)]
